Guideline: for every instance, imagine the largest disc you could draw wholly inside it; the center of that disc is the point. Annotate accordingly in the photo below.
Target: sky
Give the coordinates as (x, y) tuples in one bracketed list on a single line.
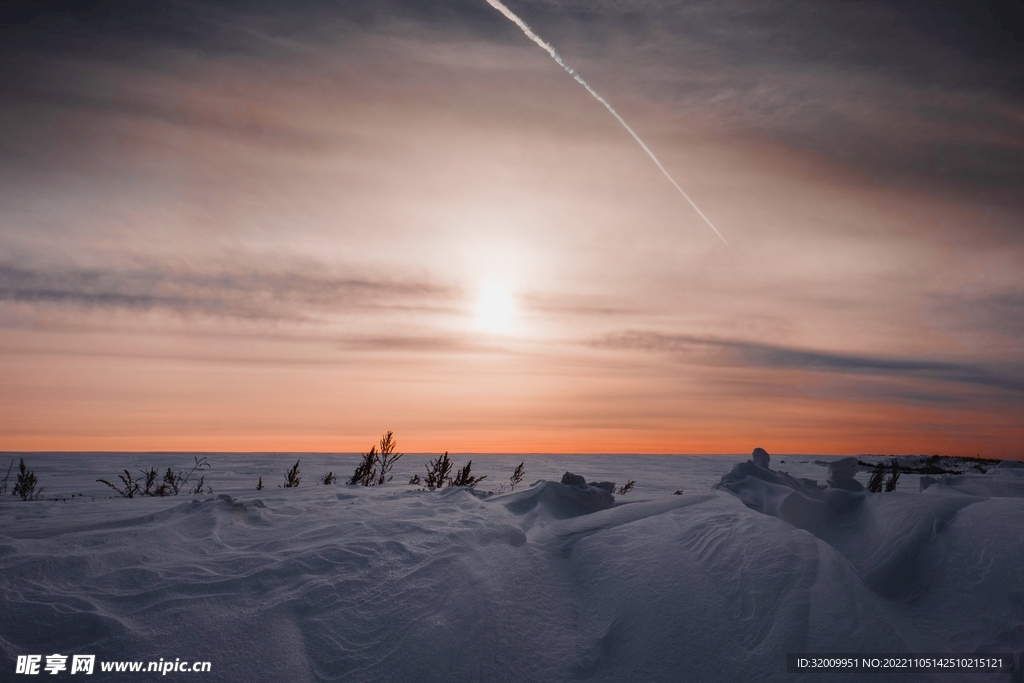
[(270, 226)]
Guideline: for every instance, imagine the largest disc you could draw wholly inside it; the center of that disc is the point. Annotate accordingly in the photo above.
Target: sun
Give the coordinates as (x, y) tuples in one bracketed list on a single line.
[(495, 308)]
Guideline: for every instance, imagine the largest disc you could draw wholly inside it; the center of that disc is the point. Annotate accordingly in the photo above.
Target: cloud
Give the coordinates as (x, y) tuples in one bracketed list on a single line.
[(248, 295), (915, 94), (711, 351), (906, 92), (1000, 312), (578, 304)]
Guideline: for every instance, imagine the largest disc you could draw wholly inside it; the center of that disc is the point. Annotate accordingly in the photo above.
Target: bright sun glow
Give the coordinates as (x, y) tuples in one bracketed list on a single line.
[(495, 308)]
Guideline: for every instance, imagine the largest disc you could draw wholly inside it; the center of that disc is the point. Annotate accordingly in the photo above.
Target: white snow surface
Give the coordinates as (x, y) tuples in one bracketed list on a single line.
[(552, 582)]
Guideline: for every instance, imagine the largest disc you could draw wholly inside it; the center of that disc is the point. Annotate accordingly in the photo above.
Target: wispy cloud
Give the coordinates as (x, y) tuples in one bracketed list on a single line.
[(249, 295), (768, 356), (578, 304), (1001, 312)]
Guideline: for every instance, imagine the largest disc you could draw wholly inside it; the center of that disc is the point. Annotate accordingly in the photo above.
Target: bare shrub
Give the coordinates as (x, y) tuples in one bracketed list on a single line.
[(291, 477), (415, 479), (329, 478), (3, 484), (464, 478), (517, 476), (259, 485), (129, 486), (172, 484), (201, 464), (894, 476), (387, 456), (366, 470), (626, 488), (26, 484), (150, 476), (875, 482), (439, 471), (375, 467)]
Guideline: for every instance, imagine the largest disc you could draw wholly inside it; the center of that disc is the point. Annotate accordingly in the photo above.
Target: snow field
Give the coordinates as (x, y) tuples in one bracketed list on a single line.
[(549, 583)]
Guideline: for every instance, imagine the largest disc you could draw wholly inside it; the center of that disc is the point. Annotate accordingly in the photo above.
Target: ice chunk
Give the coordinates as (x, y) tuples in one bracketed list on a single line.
[(760, 457)]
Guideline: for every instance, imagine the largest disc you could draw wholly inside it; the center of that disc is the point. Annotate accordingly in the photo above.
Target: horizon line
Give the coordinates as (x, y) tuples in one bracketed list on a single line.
[(505, 453)]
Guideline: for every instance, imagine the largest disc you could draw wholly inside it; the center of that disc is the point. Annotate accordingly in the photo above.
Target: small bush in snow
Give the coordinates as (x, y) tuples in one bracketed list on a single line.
[(415, 479), (259, 484), (198, 488), (387, 456), (150, 479), (464, 478), (625, 488), (129, 486), (374, 468), (171, 485), (26, 484), (875, 482), (3, 484), (329, 478), (517, 476), (439, 474), (894, 476), (366, 470), (201, 464), (291, 477), (439, 471)]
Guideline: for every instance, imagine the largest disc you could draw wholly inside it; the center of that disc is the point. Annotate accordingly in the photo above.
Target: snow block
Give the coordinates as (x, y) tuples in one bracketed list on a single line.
[(760, 457)]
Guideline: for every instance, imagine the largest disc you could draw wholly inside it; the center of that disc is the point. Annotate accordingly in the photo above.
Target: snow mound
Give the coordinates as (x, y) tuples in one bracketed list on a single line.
[(571, 497), (801, 502), (1002, 481), (841, 474), (889, 538)]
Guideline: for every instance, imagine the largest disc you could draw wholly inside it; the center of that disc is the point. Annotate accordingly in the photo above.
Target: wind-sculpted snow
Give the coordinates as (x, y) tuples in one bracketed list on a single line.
[(946, 562), (553, 582), (569, 498), (1003, 481), (886, 538)]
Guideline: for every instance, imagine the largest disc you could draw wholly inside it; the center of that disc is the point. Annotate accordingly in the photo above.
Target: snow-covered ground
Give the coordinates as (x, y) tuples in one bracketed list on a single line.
[(551, 582)]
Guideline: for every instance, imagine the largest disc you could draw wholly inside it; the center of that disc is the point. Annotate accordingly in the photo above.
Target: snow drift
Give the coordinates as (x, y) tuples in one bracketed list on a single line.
[(559, 581)]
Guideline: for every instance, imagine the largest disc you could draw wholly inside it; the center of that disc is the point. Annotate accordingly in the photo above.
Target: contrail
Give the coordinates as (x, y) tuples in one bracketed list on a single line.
[(496, 4)]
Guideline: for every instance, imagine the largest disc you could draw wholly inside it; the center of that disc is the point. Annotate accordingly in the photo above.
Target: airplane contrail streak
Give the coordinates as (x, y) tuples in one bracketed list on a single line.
[(511, 16)]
